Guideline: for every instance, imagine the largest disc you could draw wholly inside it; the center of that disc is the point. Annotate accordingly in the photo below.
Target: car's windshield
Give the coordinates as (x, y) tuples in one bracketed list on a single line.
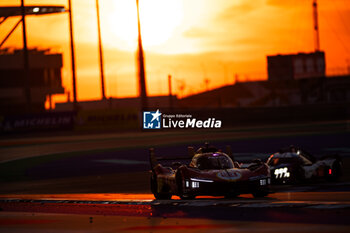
[(214, 162), (305, 160), (277, 161)]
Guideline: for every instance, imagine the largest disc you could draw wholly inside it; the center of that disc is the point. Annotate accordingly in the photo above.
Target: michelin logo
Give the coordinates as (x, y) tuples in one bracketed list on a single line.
[(152, 120)]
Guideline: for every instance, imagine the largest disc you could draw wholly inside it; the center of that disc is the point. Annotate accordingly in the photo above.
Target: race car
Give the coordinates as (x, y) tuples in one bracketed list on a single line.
[(293, 165), (210, 172)]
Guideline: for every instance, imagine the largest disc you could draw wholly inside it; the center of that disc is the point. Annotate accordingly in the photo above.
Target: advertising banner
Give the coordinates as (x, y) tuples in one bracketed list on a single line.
[(118, 119), (37, 122)]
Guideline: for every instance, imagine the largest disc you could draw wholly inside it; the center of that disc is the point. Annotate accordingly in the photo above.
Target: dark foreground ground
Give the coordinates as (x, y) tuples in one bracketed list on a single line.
[(279, 212), (100, 183)]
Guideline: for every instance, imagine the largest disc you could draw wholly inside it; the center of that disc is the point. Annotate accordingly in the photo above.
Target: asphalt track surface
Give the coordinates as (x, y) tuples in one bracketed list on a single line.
[(100, 183), (140, 213)]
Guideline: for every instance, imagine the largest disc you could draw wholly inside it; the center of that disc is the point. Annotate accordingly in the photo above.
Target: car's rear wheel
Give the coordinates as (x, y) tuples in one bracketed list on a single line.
[(299, 175), (336, 171), (162, 195)]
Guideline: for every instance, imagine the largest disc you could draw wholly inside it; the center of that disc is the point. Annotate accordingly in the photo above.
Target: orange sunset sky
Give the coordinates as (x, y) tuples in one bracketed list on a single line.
[(192, 40)]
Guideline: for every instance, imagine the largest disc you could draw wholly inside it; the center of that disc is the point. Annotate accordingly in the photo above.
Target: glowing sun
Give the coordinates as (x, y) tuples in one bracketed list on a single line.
[(159, 19)]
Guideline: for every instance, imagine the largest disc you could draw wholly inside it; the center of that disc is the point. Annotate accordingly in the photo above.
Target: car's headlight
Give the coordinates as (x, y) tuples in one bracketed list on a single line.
[(282, 173), (263, 182), (194, 182), (191, 184)]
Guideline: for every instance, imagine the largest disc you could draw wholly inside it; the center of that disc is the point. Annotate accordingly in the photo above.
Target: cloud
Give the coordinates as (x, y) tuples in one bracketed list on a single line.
[(196, 32), (239, 10), (288, 3)]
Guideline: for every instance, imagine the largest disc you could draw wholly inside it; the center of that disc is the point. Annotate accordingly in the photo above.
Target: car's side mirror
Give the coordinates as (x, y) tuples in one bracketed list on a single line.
[(190, 151), (257, 161), (176, 165)]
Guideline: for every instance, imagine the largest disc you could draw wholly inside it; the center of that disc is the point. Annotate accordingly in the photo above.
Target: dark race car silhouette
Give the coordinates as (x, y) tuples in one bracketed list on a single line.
[(293, 165), (210, 172)]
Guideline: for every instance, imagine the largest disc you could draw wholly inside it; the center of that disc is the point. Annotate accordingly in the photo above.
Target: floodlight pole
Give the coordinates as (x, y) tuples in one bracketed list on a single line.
[(100, 51), (170, 92), (25, 59), (75, 102), (141, 65)]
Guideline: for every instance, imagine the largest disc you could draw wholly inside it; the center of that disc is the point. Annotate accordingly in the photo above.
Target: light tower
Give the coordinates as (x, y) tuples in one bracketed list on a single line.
[(141, 65), (74, 79), (27, 89), (103, 92)]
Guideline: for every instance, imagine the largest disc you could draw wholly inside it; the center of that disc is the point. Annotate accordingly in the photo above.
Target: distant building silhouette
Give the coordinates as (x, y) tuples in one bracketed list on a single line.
[(44, 77), (296, 66), (318, 90), (293, 79), (154, 102)]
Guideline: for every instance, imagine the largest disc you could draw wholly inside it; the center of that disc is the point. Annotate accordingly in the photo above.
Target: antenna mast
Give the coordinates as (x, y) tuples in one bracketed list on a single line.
[(316, 31)]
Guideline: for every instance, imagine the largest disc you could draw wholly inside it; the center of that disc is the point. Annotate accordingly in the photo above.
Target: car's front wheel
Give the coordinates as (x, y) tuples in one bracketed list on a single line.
[(231, 195), (260, 193), (154, 188)]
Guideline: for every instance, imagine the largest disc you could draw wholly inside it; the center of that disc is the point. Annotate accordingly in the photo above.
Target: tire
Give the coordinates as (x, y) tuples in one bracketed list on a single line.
[(187, 197), (260, 193), (231, 195), (336, 171), (154, 189), (299, 176)]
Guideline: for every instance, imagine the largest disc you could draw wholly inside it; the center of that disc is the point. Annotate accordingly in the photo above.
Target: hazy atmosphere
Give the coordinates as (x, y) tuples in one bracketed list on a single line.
[(193, 40)]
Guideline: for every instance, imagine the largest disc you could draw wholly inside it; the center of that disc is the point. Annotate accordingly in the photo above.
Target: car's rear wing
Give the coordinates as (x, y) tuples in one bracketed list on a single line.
[(155, 160), (152, 158), (229, 152)]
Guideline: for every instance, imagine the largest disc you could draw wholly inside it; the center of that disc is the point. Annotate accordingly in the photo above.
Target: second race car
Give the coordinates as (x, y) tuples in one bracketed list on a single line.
[(293, 165), (210, 172)]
